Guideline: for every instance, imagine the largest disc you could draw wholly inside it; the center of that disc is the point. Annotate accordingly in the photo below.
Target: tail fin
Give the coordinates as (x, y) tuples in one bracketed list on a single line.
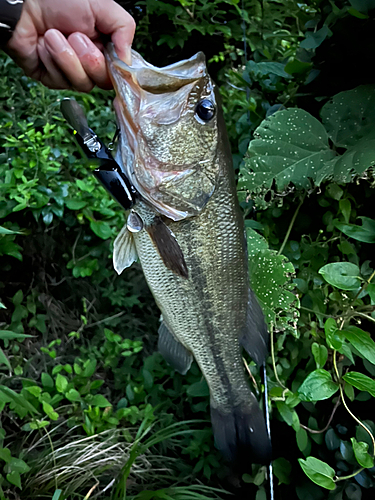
[(241, 434)]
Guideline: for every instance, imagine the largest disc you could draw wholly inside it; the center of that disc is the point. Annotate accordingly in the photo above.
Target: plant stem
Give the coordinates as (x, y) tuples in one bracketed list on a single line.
[(346, 406), (316, 312), (363, 287), (273, 359), (342, 478), (362, 315), (291, 226), (313, 431)]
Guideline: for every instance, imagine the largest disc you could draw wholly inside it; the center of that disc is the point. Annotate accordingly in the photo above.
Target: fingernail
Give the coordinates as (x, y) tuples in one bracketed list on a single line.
[(125, 54), (79, 44), (55, 41)]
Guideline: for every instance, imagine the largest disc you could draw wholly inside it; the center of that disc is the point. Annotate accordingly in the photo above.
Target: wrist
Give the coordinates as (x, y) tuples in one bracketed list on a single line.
[(10, 13)]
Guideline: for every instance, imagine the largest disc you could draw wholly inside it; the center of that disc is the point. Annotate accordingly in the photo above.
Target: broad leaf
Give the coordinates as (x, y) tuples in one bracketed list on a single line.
[(349, 116), (290, 146), (101, 229), (270, 279), (317, 386), (361, 382), (361, 341), (320, 354), (355, 160), (100, 401), (364, 233), (61, 383), (4, 360), (4, 230), (342, 275), (332, 334), (361, 454), (319, 472), (198, 389), (14, 478), (282, 470), (7, 334)]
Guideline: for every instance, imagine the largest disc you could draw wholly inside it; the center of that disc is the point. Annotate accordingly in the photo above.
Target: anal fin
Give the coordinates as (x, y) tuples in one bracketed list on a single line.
[(173, 351), (255, 336)]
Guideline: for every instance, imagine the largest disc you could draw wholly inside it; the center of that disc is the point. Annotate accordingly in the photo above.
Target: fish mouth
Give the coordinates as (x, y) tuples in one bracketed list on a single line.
[(139, 89)]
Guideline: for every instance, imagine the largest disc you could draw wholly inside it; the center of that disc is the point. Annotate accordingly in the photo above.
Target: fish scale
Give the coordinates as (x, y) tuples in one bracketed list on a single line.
[(191, 245)]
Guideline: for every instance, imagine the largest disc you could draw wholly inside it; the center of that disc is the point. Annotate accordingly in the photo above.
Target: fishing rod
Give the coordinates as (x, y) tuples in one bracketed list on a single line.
[(268, 425), (109, 173)]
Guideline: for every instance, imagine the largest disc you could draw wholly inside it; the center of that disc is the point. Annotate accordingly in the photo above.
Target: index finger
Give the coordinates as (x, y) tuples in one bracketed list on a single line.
[(112, 19)]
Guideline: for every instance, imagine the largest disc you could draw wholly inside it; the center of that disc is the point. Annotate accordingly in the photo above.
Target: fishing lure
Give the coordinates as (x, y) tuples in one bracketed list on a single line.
[(109, 173)]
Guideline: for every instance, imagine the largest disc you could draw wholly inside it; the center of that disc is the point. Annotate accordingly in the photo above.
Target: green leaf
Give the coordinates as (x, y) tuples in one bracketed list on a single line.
[(34, 390), (8, 395), (47, 381), (8, 335), (270, 276), (5, 455), (101, 229), (294, 66), (364, 233), (49, 411), (73, 395), (198, 389), (350, 119), (332, 334), (4, 230), (302, 439), (282, 470), (319, 472), (342, 275), (14, 478), (75, 204), (18, 465), (317, 386), (289, 415), (61, 383), (290, 146), (267, 68), (371, 292), (314, 39), (361, 341), (349, 116), (320, 354), (4, 360), (361, 382), (100, 401), (361, 454), (89, 368)]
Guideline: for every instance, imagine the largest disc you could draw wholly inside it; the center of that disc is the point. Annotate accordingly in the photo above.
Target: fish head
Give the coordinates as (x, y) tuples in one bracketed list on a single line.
[(169, 138)]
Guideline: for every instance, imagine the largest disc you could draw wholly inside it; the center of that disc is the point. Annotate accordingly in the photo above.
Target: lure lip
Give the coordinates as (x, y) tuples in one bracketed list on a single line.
[(109, 173)]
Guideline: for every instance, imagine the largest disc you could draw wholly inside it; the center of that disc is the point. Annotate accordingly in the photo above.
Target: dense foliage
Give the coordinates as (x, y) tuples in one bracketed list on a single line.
[(88, 408)]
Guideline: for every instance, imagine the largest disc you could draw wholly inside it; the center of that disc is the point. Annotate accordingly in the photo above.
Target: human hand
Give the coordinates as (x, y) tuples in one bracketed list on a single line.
[(39, 47)]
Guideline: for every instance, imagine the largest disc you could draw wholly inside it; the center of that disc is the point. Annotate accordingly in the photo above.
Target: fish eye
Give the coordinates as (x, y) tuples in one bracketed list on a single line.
[(205, 110)]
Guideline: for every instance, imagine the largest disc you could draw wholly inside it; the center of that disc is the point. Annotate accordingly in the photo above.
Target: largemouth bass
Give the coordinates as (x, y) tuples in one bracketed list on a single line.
[(188, 233)]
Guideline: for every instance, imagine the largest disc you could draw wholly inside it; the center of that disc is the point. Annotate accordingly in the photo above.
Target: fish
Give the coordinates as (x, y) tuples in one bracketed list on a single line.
[(187, 231)]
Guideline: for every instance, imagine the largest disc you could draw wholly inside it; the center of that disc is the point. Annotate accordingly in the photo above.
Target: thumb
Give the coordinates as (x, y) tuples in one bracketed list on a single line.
[(111, 19)]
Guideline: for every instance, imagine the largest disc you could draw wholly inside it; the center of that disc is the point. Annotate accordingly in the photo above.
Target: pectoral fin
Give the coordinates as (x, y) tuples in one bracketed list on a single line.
[(168, 247), (124, 251), (255, 336), (173, 351)]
